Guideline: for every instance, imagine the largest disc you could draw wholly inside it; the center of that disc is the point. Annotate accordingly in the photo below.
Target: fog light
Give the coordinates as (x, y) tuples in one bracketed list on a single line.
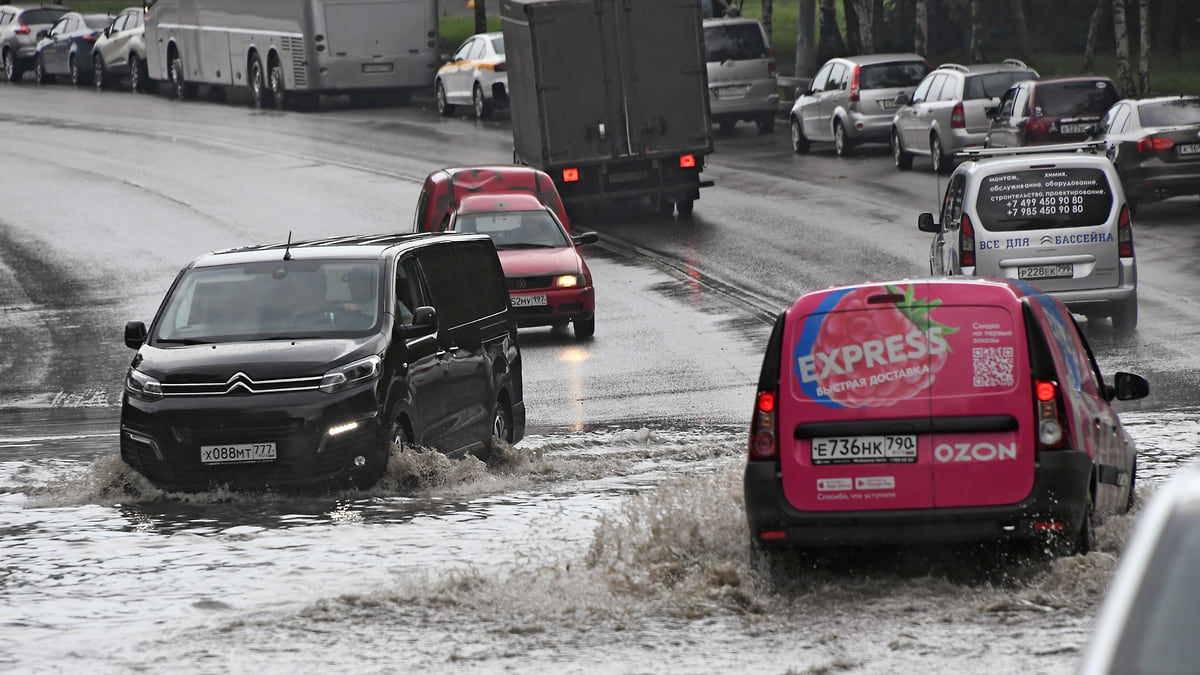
[(360, 461)]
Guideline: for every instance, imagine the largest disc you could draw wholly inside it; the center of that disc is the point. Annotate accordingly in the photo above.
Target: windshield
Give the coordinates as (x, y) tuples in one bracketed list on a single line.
[(273, 300), (515, 229), (1170, 113), (734, 42), (1043, 199), (38, 16)]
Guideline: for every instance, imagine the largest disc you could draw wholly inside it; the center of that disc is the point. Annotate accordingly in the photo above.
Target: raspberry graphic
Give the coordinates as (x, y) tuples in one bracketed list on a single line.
[(875, 355)]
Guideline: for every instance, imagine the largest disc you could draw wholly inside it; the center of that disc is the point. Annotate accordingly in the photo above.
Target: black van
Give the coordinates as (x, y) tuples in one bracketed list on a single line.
[(300, 364)]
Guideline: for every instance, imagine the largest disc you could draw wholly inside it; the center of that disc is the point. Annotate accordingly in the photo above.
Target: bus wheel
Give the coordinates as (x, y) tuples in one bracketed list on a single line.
[(183, 90), (279, 93), (259, 94)]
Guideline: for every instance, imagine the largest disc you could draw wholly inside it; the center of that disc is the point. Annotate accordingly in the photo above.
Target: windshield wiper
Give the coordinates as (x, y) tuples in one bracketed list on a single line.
[(189, 341)]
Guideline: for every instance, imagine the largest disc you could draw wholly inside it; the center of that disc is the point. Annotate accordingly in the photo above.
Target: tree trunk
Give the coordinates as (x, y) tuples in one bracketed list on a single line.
[(1144, 48), (921, 33), (1024, 43), (975, 52), (768, 8), (829, 42), (853, 36), (1089, 50), (480, 16), (865, 10), (1125, 81), (806, 62)]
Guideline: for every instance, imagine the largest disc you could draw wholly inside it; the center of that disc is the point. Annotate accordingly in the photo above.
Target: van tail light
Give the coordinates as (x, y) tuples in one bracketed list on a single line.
[(1154, 144), (1035, 130), (21, 30), (764, 441), (958, 117), (1124, 234), (966, 243), (570, 175), (1049, 412), (854, 88), (687, 161)]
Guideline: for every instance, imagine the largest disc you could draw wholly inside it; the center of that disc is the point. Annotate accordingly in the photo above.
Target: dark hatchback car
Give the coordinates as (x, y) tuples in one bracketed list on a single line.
[(1155, 145), (19, 26), (1051, 110), (300, 365), (66, 49)]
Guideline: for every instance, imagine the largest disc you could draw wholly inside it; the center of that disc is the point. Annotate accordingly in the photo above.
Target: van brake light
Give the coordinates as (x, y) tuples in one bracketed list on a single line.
[(854, 88), (763, 443), (966, 243), (1124, 234)]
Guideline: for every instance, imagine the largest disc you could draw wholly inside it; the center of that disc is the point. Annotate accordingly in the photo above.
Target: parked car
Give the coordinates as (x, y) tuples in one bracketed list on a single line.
[(66, 49), (853, 100), (1051, 110), (940, 410), (444, 188), (475, 75), (548, 280), (1147, 621), (742, 84), (1055, 218), (120, 52), (300, 365), (951, 109), (1155, 145), (19, 26)]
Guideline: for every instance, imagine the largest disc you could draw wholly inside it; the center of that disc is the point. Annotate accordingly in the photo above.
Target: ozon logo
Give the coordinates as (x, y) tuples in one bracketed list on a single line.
[(975, 452)]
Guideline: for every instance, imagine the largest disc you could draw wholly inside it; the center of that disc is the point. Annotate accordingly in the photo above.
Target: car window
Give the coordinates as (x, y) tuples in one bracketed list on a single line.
[(1060, 99), (95, 22), (119, 24), (822, 76), (33, 16), (461, 54), (1008, 103), (476, 51), (993, 85), (1043, 199), (410, 291), (734, 42), (837, 77), (891, 75), (1021, 102), (1108, 123), (498, 45), (1122, 119), (953, 201), (5, 17), (922, 91), (1170, 113)]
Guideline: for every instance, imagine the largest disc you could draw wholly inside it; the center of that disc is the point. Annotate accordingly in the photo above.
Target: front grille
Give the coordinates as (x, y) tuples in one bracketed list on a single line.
[(241, 384), (527, 283)]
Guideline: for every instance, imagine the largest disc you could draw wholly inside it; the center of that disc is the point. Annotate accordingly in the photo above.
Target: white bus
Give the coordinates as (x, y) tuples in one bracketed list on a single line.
[(287, 52)]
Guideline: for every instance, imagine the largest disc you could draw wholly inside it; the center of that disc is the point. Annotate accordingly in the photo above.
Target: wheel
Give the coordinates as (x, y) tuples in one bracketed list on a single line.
[(279, 95), (502, 422), (1125, 316), (662, 205), (941, 163), (73, 69), (260, 97), (727, 126), (483, 107), (841, 144), (182, 89), (98, 72), (1130, 500), (12, 68), (766, 125), (585, 327), (137, 74), (39, 71), (1085, 539), (684, 207), (900, 158), (800, 142), (439, 95)]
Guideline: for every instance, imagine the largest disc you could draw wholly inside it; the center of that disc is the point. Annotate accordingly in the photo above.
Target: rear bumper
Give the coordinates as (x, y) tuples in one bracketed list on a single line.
[(1149, 183), (870, 127), (1061, 492)]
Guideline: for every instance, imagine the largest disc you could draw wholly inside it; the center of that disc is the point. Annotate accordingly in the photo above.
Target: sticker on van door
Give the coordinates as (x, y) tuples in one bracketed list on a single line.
[(864, 348)]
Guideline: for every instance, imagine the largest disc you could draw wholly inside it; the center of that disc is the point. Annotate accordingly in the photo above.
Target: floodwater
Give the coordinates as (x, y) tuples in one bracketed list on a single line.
[(603, 550)]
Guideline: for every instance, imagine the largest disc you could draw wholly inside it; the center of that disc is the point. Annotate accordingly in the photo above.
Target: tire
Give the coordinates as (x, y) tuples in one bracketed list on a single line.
[(180, 87), (766, 125), (841, 143), (1125, 317), (73, 69), (663, 205), (502, 422), (941, 163), (1085, 539), (260, 97), (900, 158), (275, 81), (98, 75), (39, 71), (137, 74), (444, 108), (1131, 500), (585, 327), (483, 107), (800, 143), (12, 68), (727, 126), (684, 207)]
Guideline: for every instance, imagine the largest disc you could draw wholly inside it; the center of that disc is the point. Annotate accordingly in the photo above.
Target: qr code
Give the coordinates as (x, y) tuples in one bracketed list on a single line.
[(993, 366)]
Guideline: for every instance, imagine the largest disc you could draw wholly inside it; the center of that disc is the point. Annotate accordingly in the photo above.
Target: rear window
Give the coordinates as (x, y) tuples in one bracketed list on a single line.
[(1043, 199), (1170, 113), (893, 75), (97, 22), (498, 45), (1063, 99), (42, 16), (734, 42), (993, 85)]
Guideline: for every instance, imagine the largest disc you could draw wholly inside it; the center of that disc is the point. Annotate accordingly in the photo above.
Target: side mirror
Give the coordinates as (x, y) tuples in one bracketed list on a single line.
[(135, 334), (1128, 386), (41, 34), (925, 223), (424, 323), (445, 58), (585, 238)]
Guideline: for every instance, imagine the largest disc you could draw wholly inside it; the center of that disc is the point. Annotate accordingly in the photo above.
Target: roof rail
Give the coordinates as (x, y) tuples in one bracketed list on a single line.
[(1016, 62), (1091, 147), (954, 66)]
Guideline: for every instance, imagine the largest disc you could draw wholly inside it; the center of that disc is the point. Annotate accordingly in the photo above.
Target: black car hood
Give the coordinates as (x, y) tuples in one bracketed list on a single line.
[(263, 360)]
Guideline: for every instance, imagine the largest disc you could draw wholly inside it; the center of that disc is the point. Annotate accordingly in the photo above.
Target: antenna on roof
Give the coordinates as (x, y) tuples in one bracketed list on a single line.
[(287, 251)]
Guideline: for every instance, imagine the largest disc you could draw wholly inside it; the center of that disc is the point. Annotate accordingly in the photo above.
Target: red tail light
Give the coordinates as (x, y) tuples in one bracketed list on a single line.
[(854, 88), (966, 243), (570, 175), (687, 161), (1051, 429), (1124, 234), (763, 443), (500, 67), (771, 67), (91, 37), (1154, 144), (1035, 130), (958, 117), (21, 30)]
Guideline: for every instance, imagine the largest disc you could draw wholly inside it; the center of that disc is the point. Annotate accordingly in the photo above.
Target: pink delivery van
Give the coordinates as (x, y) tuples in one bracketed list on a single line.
[(934, 410)]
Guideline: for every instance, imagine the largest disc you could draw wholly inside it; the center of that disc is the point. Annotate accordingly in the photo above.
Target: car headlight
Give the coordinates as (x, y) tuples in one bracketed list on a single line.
[(351, 374), (142, 385), (568, 281)]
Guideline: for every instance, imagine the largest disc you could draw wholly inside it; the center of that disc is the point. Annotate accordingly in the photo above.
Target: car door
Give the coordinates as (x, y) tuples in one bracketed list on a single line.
[(419, 390), (907, 116), (809, 104), (1003, 132), (833, 97), (116, 52), (917, 139), (56, 51), (457, 79), (944, 254)]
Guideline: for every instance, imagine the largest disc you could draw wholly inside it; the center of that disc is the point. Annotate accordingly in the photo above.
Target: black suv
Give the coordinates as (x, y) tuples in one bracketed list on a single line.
[(300, 364)]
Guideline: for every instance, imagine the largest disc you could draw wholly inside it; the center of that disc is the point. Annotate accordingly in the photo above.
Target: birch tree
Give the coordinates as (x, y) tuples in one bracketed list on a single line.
[(806, 64), (1144, 47), (921, 31), (1093, 34), (865, 10), (975, 53), (1024, 43), (1124, 77), (768, 8)]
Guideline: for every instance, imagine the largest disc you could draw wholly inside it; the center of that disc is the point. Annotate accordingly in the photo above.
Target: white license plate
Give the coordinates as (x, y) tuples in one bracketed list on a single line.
[(733, 92), (377, 67), (528, 300), (237, 453), (900, 449), (1046, 272), (1189, 149), (888, 104), (1075, 128)]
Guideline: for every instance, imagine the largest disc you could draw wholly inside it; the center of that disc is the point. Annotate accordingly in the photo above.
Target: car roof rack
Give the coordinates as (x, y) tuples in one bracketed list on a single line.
[(1015, 62), (1092, 147), (954, 66)]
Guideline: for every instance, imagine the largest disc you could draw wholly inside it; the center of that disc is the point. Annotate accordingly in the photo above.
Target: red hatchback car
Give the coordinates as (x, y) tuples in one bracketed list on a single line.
[(445, 188), (548, 281), (1051, 110)]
